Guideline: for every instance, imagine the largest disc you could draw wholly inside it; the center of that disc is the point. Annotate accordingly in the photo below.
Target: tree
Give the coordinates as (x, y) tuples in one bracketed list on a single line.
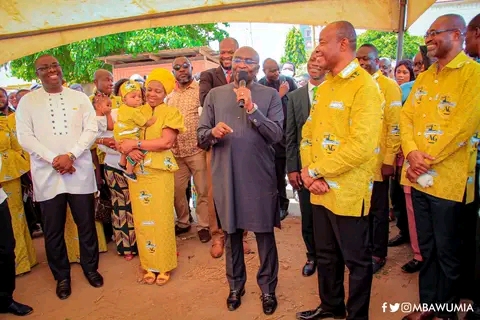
[(78, 59), (386, 43), (294, 48)]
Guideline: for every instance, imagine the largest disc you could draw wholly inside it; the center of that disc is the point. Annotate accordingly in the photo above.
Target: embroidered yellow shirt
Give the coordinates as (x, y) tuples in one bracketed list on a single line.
[(441, 117), (167, 117), (340, 137), (390, 138)]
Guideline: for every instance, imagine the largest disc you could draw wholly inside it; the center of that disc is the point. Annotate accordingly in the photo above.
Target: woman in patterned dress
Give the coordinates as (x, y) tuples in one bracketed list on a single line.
[(152, 194), (14, 165), (122, 217)]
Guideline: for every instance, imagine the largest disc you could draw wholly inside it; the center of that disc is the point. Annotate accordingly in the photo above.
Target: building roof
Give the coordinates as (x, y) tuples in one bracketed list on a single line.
[(160, 57)]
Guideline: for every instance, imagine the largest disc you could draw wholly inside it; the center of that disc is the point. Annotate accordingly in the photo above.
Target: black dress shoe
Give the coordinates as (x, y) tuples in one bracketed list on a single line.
[(378, 264), (95, 279), (319, 313), (234, 299), (64, 290), (412, 266), (17, 309), (309, 268), (269, 303), (180, 230), (397, 240)]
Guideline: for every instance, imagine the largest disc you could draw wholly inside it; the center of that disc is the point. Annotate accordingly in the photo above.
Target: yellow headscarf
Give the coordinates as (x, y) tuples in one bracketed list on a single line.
[(129, 86), (164, 76)]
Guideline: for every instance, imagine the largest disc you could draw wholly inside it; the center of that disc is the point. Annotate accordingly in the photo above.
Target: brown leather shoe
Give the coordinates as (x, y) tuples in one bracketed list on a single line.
[(429, 315), (216, 251)]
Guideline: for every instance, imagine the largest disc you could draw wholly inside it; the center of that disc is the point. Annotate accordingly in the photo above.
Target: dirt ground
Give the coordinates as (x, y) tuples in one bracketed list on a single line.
[(198, 288)]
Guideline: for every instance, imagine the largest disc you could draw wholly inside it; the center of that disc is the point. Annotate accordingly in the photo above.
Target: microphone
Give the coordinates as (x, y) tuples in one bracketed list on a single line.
[(242, 83)]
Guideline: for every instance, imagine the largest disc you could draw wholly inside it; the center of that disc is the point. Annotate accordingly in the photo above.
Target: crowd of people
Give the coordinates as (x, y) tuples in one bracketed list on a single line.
[(355, 140)]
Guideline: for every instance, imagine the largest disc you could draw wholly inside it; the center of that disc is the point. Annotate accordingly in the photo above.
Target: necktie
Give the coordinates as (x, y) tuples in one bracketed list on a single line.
[(229, 72), (314, 97)]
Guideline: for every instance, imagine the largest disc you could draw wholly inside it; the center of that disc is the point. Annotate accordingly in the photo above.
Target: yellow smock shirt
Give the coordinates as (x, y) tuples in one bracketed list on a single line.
[(441, 117), (340, 138), (167, 117), (390, 138)]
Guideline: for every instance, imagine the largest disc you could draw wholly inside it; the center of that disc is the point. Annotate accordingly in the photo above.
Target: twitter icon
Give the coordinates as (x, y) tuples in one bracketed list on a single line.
[(394, 307)]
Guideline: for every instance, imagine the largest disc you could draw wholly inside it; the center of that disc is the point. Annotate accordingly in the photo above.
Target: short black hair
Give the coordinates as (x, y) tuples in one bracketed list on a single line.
[(407, 64), (371, 46)]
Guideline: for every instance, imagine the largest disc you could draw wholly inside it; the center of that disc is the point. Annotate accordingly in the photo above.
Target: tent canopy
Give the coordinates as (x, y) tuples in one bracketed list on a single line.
[(28, 26)]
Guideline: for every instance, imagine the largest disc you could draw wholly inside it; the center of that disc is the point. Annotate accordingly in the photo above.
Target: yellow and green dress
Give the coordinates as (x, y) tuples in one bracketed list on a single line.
[(152, 196), (14, 164)]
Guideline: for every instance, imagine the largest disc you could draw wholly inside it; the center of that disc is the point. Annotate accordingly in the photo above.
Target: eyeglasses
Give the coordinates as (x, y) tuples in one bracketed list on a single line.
[(247, 61), (185, 65), (434, 33), (46, 68)]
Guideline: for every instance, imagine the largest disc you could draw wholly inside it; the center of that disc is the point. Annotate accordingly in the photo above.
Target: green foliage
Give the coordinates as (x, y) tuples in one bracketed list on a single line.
[(79, 63), (294, 48), (386, 43)]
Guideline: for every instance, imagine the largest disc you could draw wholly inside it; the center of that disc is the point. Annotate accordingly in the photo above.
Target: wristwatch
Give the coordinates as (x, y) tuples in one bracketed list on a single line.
[(71, 156), (139, 144)]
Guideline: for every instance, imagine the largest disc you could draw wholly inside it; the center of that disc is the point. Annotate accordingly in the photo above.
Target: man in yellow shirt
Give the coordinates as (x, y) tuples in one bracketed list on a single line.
[(389, 146), (439, 130), (338, 146)]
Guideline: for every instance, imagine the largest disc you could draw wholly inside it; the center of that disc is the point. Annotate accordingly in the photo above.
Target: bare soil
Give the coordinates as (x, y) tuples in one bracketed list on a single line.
[(198, 288)]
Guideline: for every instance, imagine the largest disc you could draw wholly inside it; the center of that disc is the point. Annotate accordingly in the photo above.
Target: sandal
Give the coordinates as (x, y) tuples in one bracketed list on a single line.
[(162, 278), (128, 257), (149, 278)]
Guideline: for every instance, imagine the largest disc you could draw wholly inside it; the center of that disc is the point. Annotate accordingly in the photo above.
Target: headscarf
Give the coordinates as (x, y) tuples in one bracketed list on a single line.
[(164, 76), (129, 86)]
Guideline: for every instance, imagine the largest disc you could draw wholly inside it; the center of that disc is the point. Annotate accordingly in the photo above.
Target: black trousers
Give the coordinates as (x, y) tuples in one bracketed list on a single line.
[(474, 292), (7, 257), (467, 255), (267, 276), (54, 214), (439, 237), (397, 196), (280, 172), (476, 282), (378, 218), (307, 222), (340, 241)]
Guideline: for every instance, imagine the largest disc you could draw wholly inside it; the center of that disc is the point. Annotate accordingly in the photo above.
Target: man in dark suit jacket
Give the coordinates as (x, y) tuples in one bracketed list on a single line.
[(298, 110), (283, 85), (210, 79)]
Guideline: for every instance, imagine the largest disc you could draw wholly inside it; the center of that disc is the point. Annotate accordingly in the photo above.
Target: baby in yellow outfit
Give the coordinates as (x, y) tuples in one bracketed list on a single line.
[(130, 123)]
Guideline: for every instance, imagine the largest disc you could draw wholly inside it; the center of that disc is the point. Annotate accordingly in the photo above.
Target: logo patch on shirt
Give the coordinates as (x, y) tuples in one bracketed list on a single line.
[(474, 141), (445, 106), (419, 93), (330, 143), (432, 132), (145, 197), (395, 130), (336, 105)]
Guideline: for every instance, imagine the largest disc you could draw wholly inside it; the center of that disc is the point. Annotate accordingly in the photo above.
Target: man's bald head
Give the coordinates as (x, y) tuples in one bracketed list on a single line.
[(103, 80), (472, 37), (345, 30), (444, 38), (227, 47), (101, 73), (270, 63), (245, 59), (44, 57), (229, 42), (249, 52)]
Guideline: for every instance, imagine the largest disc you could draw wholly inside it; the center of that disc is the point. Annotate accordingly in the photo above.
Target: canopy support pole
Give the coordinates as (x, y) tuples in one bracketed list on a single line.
[(401, 28)]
